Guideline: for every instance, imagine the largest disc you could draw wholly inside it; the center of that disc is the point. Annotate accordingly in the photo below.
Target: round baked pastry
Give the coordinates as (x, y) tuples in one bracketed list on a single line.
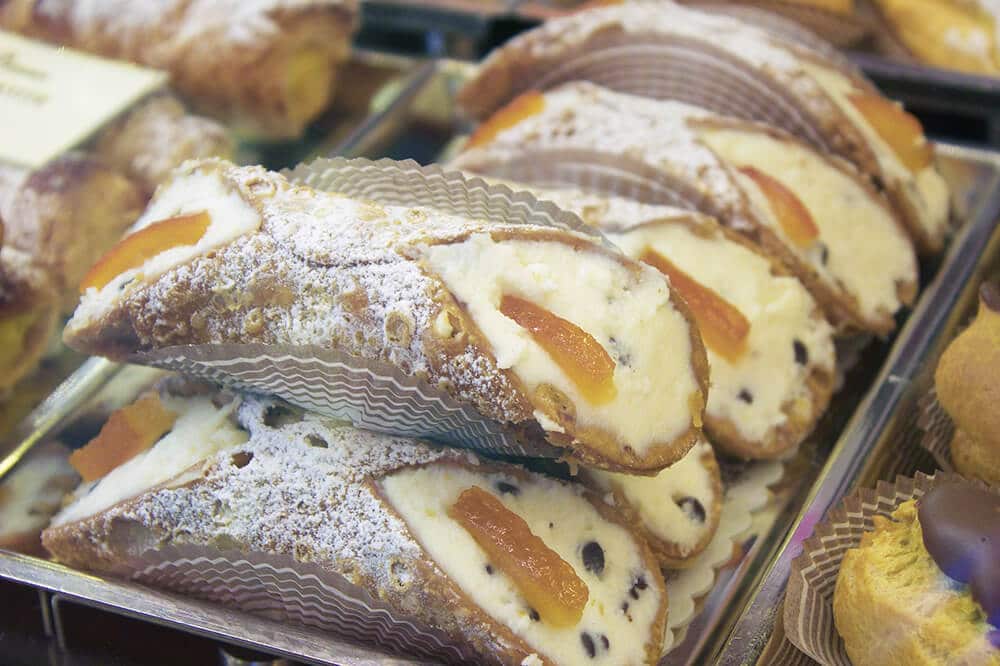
[(968, 387), (28, 311), (924, 586)]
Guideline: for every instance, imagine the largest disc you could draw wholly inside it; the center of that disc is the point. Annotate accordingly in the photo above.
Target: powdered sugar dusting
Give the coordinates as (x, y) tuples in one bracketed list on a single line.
[(585, 116)]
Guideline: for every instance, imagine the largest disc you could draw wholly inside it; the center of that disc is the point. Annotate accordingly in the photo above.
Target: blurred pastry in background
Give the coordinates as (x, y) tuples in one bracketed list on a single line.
[(157, 135), (64, 215), (32, 494), (952, 34), (836, 21), (266, 66), (29, 310), (968, 387)]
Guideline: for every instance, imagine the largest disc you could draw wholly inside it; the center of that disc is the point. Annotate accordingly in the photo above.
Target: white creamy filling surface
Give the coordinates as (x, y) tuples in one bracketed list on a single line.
[(927, 190), (866, 250), (633, 320), (566, 522), (201, 430), (778, 308), (230, 215), (666, 502)]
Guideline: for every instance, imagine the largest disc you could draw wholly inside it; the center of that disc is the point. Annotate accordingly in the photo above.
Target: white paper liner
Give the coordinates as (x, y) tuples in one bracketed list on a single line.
[(808, 608), (744, 496), (372, 395), (938, 430), (282, 589)]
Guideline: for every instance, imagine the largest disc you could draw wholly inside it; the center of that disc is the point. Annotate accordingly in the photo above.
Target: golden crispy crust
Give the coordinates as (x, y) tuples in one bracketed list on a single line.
[(975, 459)]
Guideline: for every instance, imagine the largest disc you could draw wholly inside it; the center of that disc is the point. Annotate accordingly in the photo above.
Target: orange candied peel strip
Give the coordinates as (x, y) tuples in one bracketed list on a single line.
[(793, 216), (723, 327), (135, 249), (901, 130), (547, 582), (574, 350), (128, 432), (523, 106)]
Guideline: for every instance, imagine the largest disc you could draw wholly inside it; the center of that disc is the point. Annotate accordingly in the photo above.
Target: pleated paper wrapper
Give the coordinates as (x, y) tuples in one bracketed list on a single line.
[(286, 590), (938, 430), (808, 608), (372, 394)]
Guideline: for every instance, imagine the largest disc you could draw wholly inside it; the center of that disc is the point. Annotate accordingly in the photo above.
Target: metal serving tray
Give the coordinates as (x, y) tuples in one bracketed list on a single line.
[(417, 119)]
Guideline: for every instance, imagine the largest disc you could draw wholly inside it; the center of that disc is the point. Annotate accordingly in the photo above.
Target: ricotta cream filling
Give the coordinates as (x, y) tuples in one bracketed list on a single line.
[(778, 308), (866, 250), (201, 430), (632, 319), (926, 190), (658, 499), (231, 217), (566, 522)]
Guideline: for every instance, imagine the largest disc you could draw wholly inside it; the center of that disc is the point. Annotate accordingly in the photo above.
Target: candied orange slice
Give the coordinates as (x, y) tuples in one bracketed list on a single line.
[(723, 327), (128, 432), (547, 582), (523, 106), (793, 216), (901, 130), (135, 249), (574, 350)]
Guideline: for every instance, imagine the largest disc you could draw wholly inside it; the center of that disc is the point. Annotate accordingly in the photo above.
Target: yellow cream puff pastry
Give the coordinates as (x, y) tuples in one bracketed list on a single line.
[(538, 328), (29, 309), (268, 66), (516, 566), (824, 221), (770, 350), (664, 51)]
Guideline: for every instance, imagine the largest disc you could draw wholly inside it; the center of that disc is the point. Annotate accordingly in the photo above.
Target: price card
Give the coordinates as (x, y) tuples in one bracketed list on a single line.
[(53, 98)]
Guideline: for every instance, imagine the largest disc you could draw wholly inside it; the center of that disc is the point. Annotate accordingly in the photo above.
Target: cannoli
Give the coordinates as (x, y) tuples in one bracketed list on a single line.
[(952, 34), (155, 137), (836, 21), (64, 215), (665, 51), (538, 328), (770, 349), (677, 510), (825, 222), (508, 563), (33, 493), (267, 66), (29, 309)]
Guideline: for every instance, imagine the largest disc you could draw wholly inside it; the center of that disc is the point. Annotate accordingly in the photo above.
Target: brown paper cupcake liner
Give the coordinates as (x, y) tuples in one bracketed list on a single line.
[(938, 430), (808, 608)]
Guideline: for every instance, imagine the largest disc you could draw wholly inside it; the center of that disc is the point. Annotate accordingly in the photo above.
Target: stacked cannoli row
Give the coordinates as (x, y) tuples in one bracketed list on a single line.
[(60, 218), (782, 196), (536, 324), (267, 66)]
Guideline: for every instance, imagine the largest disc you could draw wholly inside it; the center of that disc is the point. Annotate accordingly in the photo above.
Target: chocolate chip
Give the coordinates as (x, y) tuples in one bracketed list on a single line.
[(746, 396), (624, 606), (605, 642), (551, 525), (533, 614), (692, 508), (588, 645), (505, 488), (593, 557), (241, 459), (801, 353), (279, 415), (489, 569), (634, 593), (824, 253), (640, 583), (317, 441)]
